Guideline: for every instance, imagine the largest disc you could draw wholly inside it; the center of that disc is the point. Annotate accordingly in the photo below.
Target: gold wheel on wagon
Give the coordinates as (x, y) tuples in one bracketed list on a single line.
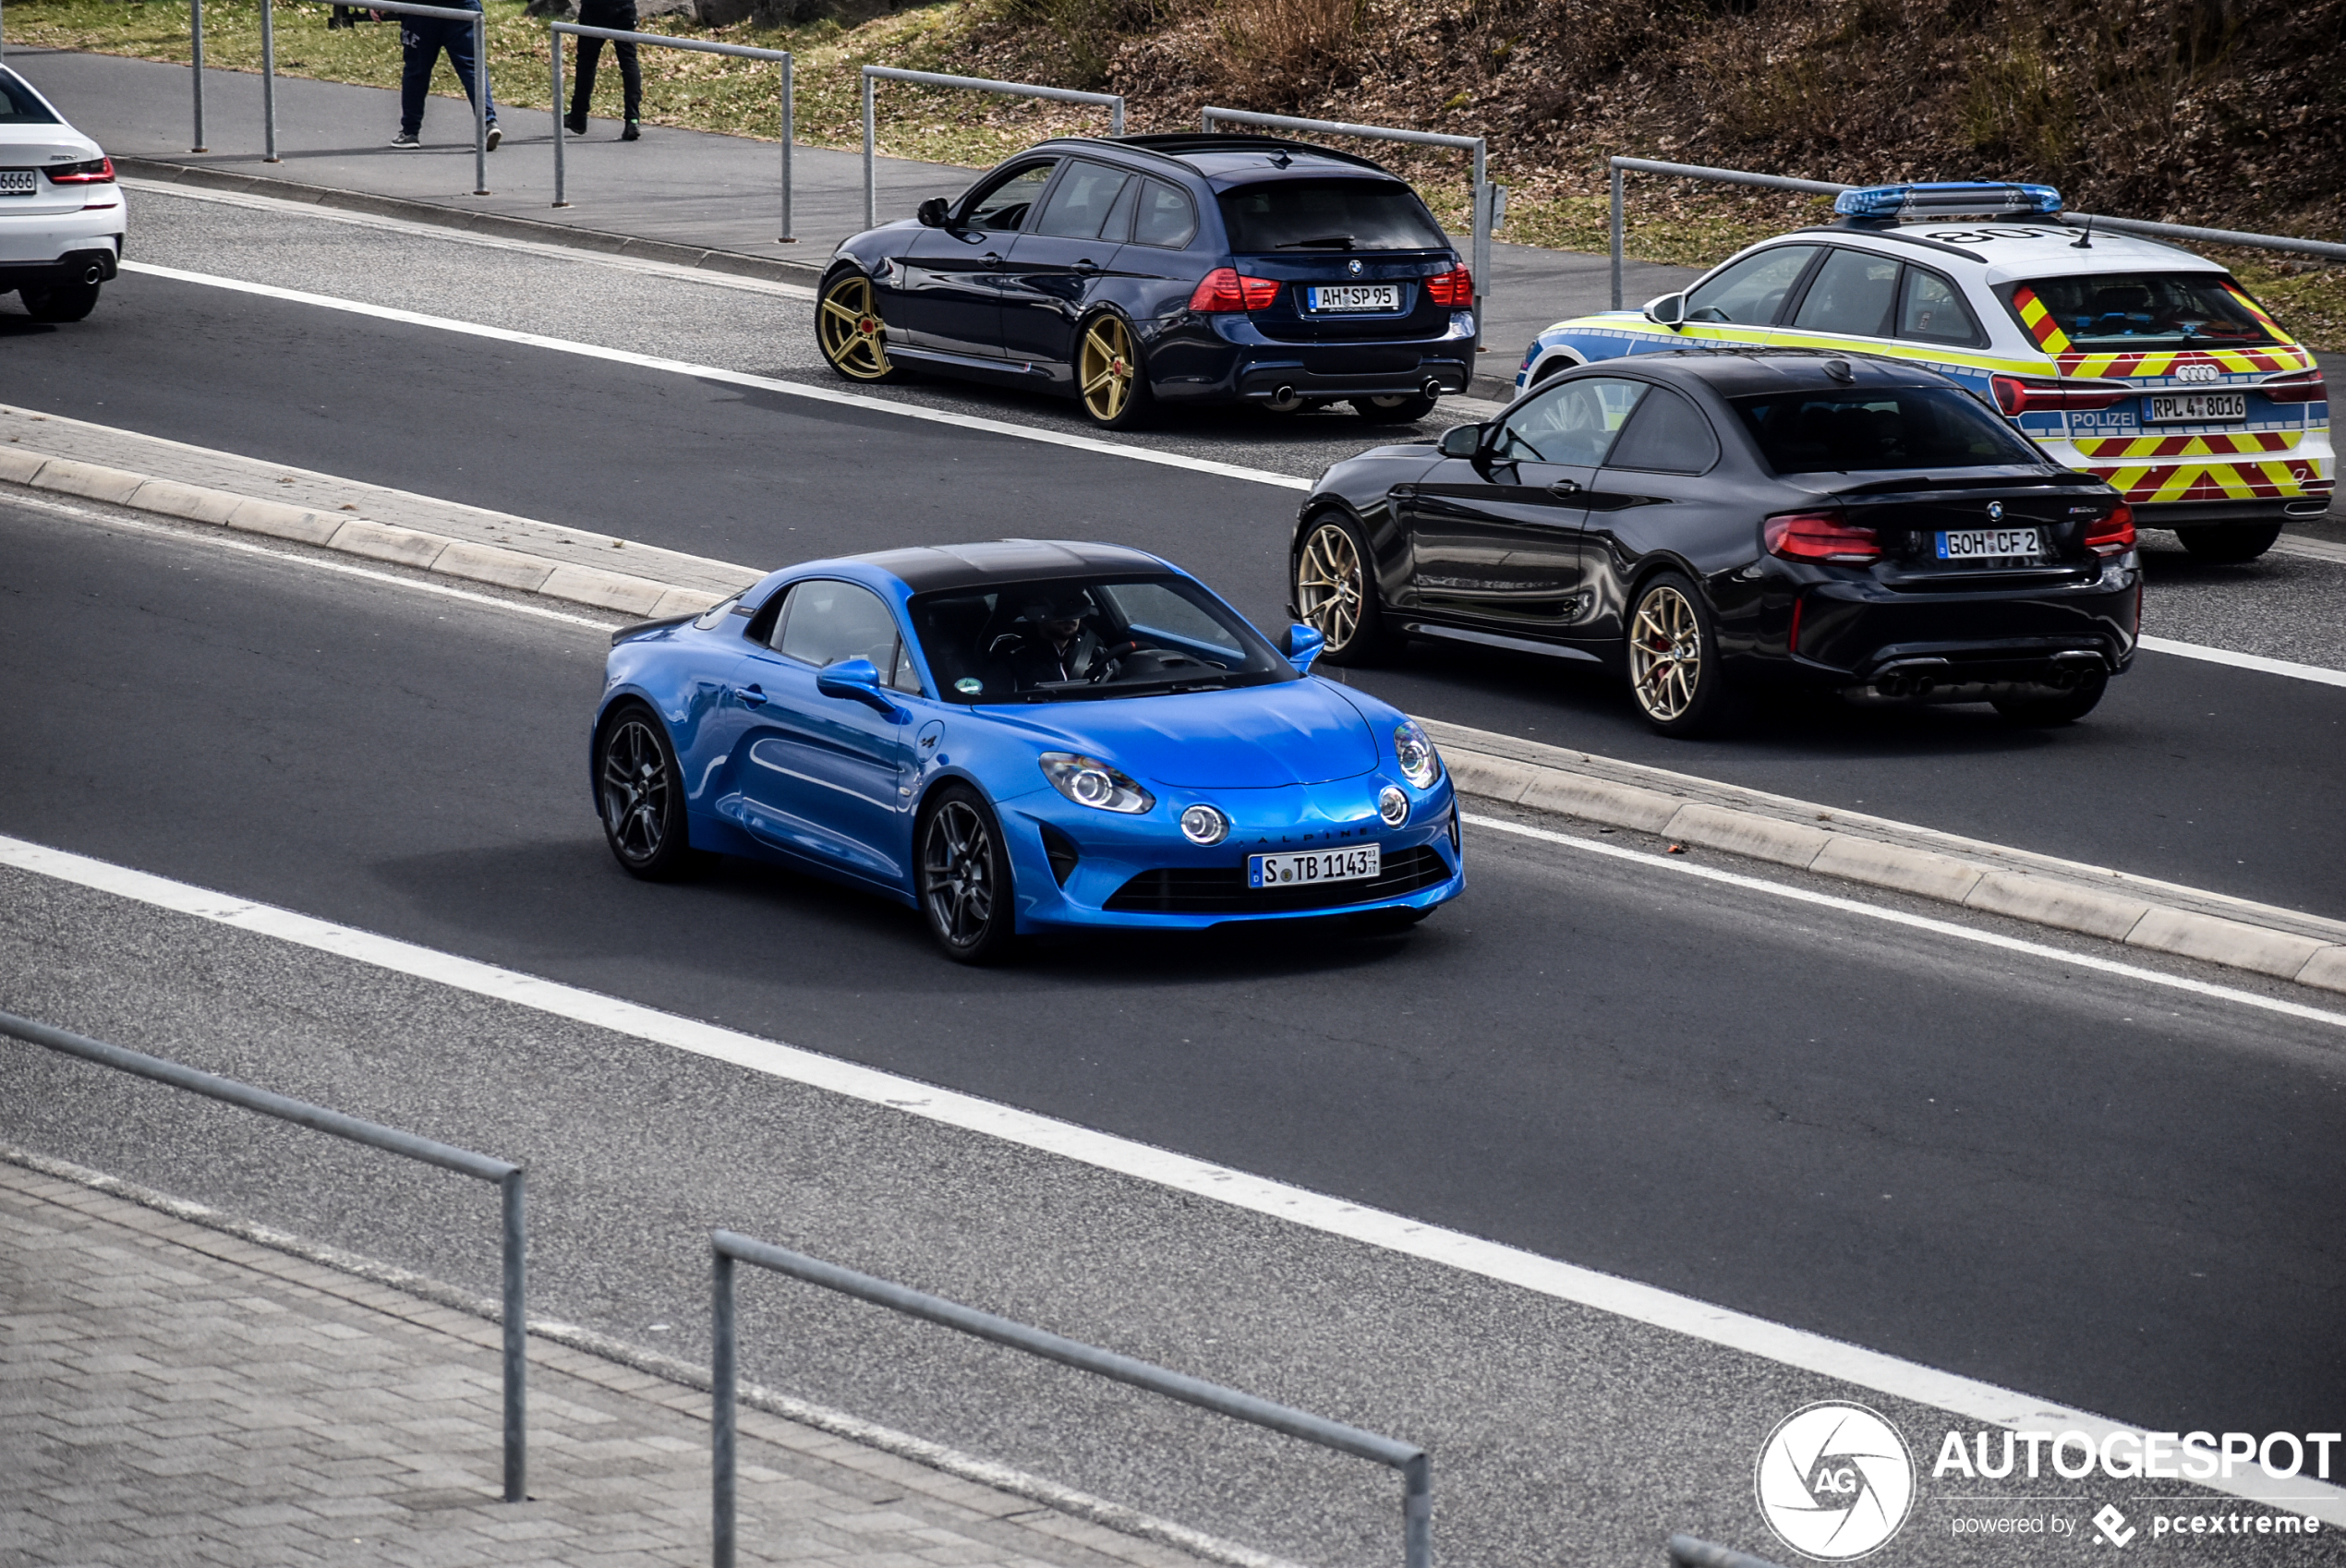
[(1329, 585), (1106, 371), (853, 337), (1666, 654)]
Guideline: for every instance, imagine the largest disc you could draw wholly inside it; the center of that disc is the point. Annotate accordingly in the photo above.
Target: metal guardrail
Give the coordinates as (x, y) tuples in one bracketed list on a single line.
[(508, 1179), (480, 93), (1416, 1466), (1830, 187), (1488, 204), (741, 50), (1686, 1552), (1112, 102), (195, 42)]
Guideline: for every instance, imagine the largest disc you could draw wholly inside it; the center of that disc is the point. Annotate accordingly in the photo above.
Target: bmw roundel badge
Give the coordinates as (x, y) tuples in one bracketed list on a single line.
[(1995, 511), (1353, 266)]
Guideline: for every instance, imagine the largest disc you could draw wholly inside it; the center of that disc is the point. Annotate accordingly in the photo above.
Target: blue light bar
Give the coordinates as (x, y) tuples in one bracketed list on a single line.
[(1970, 197)]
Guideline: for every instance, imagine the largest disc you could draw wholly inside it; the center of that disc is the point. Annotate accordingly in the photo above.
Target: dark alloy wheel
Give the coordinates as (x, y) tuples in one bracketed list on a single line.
[(855, 338), (965, 887), (2229, 545), (2043, 713), (643, 796), (66, 302), (1335, 593), (1406, 409), (1674, 659)]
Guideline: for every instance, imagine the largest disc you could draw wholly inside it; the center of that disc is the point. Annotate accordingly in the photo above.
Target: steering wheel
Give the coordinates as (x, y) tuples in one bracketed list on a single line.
[(1111, 661)]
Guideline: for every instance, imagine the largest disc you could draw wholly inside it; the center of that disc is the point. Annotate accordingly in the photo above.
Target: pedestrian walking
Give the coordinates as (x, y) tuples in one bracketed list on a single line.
[(620, 17), (422, 40)]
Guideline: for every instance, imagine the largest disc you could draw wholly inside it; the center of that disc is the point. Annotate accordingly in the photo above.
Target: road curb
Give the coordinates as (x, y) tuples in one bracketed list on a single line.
[(2066, 894), (424, 551)]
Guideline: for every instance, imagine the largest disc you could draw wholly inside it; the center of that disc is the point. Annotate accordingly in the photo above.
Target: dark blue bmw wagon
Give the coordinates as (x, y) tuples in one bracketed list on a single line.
[(1132, 270)]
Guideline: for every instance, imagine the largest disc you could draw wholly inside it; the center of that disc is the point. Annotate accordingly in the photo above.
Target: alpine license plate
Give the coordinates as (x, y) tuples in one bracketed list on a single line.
[(1354, 296), (19, 182), (1311, 865), (1988, 544), (2193, 408)]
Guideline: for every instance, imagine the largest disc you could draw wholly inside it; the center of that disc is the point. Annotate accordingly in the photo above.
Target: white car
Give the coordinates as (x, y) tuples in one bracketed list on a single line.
[(60, 214), (2136, 362)]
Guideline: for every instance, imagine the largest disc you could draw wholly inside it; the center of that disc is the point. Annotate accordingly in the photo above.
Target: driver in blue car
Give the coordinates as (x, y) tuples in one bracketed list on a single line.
[(1056, 644)]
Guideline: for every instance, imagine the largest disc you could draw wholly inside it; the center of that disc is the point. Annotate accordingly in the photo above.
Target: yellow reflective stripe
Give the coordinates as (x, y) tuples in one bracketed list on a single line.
[(2048, 336), (2279, 474)]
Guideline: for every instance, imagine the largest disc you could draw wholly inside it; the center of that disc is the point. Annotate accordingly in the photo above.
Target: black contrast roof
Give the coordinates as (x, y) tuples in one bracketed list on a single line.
[(1220, 152), (929, 568)]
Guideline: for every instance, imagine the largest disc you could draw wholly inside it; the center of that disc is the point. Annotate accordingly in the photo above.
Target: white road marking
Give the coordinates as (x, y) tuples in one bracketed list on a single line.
[(279, 205), (1919, 923), (1334, 1216), (735, 378), (2257, 662), (213, 540)]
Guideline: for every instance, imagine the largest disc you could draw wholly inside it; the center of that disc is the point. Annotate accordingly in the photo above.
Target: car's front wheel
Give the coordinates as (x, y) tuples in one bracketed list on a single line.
[(964, 879), (1674, 659), (1335, 592), (66, 302), (642, 793), (855, 338), (1406, 409), (2228, 544), (1110, 380)]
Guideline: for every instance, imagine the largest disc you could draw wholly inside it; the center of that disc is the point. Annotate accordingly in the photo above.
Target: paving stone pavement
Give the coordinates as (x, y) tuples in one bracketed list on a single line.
[(171, 1393)]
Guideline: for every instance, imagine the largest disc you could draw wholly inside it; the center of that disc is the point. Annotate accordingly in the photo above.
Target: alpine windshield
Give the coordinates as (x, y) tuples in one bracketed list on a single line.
[(1333, 214), (1073, 639), (1813, 432), (2134, 311)]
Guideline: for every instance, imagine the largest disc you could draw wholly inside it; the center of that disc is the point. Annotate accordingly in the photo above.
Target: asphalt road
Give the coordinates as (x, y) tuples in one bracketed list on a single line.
[(2117, 1197), (2195, 773)]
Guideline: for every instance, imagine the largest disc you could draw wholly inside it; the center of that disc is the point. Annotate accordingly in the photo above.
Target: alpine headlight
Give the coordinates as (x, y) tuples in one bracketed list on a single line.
[(1202, 824), (1088, 782), (1420, 765)]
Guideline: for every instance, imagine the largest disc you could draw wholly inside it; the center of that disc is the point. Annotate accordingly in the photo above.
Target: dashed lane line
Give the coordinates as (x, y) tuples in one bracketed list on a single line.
[(1330, 1215), (733, 377), (2243, 660)]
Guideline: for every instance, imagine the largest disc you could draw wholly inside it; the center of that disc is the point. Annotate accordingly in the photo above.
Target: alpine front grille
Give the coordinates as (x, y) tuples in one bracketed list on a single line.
[(1223, 889)]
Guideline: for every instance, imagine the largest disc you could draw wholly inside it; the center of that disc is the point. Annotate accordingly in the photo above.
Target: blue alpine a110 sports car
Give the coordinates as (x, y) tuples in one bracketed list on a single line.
[(1016, 738)]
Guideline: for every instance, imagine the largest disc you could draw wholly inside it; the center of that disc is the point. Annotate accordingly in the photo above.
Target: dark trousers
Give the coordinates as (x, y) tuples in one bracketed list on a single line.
[(422, 39), (619, 18)]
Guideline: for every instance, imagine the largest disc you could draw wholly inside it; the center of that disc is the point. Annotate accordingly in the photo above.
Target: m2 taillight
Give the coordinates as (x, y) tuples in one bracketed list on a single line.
[(1228, 289), (1453, 290), (1819, 536), (2028, 395), (97, 171), (2113, 535), (2304, 386)]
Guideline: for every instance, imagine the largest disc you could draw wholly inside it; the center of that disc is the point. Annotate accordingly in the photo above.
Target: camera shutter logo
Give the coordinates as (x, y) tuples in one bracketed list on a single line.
[(1835, 1481)]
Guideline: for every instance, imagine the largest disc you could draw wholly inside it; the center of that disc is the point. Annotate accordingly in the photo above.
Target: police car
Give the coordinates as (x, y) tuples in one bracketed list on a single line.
[(2141, 364)]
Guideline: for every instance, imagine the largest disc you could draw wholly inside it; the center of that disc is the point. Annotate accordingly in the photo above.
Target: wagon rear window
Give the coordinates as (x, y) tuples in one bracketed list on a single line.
[(1903, 428), (2130, 311), (1337, 214)]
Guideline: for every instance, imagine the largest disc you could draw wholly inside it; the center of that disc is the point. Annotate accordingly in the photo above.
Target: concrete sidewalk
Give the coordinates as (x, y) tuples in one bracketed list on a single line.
[(717, 198), (172, 1392)]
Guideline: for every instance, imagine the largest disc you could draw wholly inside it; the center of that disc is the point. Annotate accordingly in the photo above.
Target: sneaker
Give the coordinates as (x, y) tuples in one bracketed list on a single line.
[(407, 139), (631, 132), (495, 136), (578, 124)]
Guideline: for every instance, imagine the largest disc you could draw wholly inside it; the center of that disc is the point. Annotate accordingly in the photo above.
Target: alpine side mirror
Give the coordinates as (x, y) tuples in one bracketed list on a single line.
[(932, 212), (1461, 440), (1303, 645), (1667, 310), (856, 681)]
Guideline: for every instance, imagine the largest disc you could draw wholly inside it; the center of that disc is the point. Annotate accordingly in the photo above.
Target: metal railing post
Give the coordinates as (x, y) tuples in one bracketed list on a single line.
[(724, 1368), (790, 111), (268, 82), (1116, 118), (1617, 237), (479, 85), (516, 1293), (555, 35), (195, 34), (1417, 1513), (871, 178), (1482, 225)]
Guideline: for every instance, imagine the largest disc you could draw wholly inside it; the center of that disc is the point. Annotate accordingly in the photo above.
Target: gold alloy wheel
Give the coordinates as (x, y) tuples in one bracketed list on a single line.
[(1328, 585), (1666, 654), (1106, 369), (850, 328)]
